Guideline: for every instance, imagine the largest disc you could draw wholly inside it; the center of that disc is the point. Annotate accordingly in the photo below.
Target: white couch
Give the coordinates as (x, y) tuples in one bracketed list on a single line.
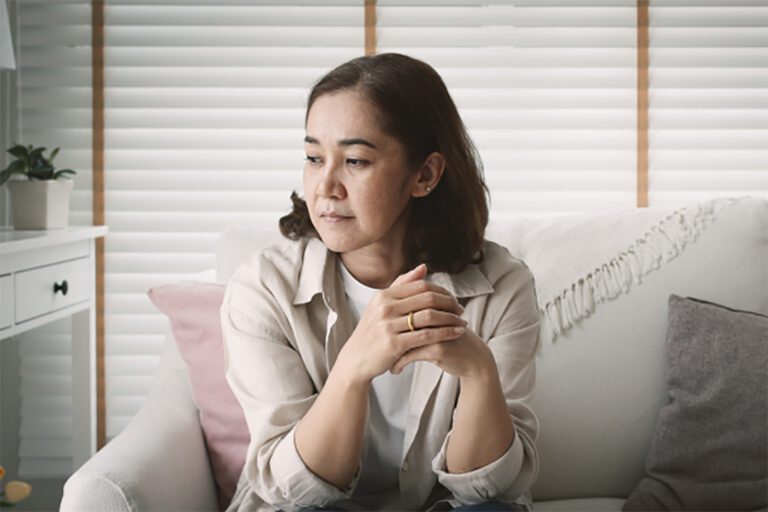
[(599, 384)]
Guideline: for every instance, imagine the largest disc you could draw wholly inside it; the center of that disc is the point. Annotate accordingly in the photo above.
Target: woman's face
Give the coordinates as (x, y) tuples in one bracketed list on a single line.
[(356, 171)]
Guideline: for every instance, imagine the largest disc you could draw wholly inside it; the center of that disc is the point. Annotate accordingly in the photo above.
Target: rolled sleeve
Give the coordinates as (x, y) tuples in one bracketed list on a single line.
[(306, 488), (270, 381), (482, 483)]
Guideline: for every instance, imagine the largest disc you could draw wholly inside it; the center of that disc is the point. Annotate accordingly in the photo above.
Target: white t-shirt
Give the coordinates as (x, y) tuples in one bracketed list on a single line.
[(388, 402)]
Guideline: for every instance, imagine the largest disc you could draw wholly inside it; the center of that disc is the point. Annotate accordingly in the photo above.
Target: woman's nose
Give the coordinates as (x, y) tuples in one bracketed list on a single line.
[(330, 185)]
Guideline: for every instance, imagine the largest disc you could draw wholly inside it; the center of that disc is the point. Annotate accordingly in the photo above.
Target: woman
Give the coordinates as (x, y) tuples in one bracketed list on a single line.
[(383, 353)]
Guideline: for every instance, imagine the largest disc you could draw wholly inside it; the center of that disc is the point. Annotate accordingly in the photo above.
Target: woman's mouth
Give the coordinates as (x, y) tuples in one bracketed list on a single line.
[(335, 218)]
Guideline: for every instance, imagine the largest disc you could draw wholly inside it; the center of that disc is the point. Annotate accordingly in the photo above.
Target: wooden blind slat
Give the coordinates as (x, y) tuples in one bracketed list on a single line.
[(370, 27), (642, 103), (97, 56)]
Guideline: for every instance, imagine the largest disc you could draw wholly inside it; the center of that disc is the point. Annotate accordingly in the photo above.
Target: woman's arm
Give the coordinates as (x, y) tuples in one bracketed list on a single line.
[(482, 427), (275, 390), (329, 437), (465, 463)]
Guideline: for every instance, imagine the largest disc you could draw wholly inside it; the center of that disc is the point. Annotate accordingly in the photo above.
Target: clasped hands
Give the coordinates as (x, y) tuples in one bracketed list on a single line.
[(383, 340)]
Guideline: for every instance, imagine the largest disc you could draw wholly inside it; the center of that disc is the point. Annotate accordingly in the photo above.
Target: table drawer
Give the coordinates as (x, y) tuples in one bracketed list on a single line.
[(6, 301), (35, 294)]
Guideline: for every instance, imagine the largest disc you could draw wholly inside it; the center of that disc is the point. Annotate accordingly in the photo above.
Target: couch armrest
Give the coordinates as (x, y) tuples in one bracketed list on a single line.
[(158, 462)]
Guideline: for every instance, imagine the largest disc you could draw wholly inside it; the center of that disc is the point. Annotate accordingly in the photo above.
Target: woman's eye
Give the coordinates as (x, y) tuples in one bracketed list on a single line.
[(357, 162), (352, 162)]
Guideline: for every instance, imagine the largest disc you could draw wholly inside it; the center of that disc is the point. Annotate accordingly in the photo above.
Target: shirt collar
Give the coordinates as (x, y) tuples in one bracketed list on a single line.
[(317, 266), (471, 282), (319, 274)]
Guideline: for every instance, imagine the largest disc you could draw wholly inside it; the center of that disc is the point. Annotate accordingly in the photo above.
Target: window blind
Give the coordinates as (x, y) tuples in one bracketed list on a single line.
[(547, 90), (54, 101), (204, 129), (708, 100)]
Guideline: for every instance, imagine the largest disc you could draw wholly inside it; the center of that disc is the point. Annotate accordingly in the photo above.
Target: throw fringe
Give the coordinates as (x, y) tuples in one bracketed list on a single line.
[(667, 238)]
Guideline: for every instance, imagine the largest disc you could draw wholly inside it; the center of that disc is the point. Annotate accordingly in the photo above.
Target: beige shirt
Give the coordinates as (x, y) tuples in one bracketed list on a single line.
[(284, 319)]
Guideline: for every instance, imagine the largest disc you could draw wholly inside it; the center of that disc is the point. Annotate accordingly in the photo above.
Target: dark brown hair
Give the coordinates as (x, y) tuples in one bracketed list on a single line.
[(446, 227)]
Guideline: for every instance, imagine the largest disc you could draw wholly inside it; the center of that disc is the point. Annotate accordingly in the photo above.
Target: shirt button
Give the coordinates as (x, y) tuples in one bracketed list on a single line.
[(405, 465)]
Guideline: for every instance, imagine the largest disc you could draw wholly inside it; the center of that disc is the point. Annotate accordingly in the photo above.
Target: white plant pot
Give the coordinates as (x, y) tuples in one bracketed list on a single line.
[(40, 204)]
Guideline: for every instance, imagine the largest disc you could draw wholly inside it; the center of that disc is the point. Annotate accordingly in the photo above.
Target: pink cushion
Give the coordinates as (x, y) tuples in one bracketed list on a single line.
[(193, 310)]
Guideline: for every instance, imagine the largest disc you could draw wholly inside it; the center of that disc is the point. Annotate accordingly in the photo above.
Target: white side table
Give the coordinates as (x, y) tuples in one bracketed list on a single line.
[(46, 275)]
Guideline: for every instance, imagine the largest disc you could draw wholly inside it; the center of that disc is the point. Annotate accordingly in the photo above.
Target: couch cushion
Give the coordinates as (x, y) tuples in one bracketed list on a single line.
[(193, 311), (709, 447), (600, 385), (237, 242), (607, 252)]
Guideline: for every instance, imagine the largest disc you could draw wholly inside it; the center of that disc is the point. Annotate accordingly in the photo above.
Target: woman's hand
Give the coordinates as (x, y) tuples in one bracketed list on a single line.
[(382, 335), (467, 356)]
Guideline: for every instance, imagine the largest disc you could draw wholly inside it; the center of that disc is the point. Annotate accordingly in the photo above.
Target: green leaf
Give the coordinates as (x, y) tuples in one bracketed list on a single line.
[(62, 172), (16, 167), (19, 151), (36, 155), (53, 155)]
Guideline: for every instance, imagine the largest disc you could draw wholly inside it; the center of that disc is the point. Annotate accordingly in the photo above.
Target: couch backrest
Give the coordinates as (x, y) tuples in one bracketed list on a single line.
[(601, 383), (236, 243)]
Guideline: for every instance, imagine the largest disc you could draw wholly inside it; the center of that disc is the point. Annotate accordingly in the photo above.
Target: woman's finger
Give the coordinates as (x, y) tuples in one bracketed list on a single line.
[(407, 289), (412, 275), (410, 340), (408, 358), (428, 300), (430, 318)]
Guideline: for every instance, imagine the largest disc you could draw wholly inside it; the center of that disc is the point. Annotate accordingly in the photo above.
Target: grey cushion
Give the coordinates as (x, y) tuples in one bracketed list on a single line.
[(709, 446)]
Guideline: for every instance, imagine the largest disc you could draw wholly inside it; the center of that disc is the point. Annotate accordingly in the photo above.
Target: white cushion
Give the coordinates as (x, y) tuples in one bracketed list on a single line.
[(237, 242), (600, 385)]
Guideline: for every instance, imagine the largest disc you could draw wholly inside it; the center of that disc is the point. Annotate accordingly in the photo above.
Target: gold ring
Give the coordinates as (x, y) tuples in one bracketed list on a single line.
[(410, 321)]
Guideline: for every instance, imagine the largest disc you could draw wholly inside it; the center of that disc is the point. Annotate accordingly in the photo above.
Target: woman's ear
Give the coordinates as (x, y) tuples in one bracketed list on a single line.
[(429, 175)]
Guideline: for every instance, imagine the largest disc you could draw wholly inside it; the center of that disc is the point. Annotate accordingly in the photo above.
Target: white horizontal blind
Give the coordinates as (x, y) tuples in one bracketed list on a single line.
[(547, 90), (54, 67), (204, 128), (708, 97)]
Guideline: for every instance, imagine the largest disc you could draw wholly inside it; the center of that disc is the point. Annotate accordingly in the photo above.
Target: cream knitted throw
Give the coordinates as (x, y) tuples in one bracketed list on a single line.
[(579, 261)]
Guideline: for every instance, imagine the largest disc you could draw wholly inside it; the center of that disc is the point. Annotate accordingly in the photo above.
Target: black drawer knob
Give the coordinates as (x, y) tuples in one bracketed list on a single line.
[(64, 287)]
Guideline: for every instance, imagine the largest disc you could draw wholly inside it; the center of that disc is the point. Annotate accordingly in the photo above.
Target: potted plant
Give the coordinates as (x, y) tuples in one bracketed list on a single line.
[(42, 200)]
